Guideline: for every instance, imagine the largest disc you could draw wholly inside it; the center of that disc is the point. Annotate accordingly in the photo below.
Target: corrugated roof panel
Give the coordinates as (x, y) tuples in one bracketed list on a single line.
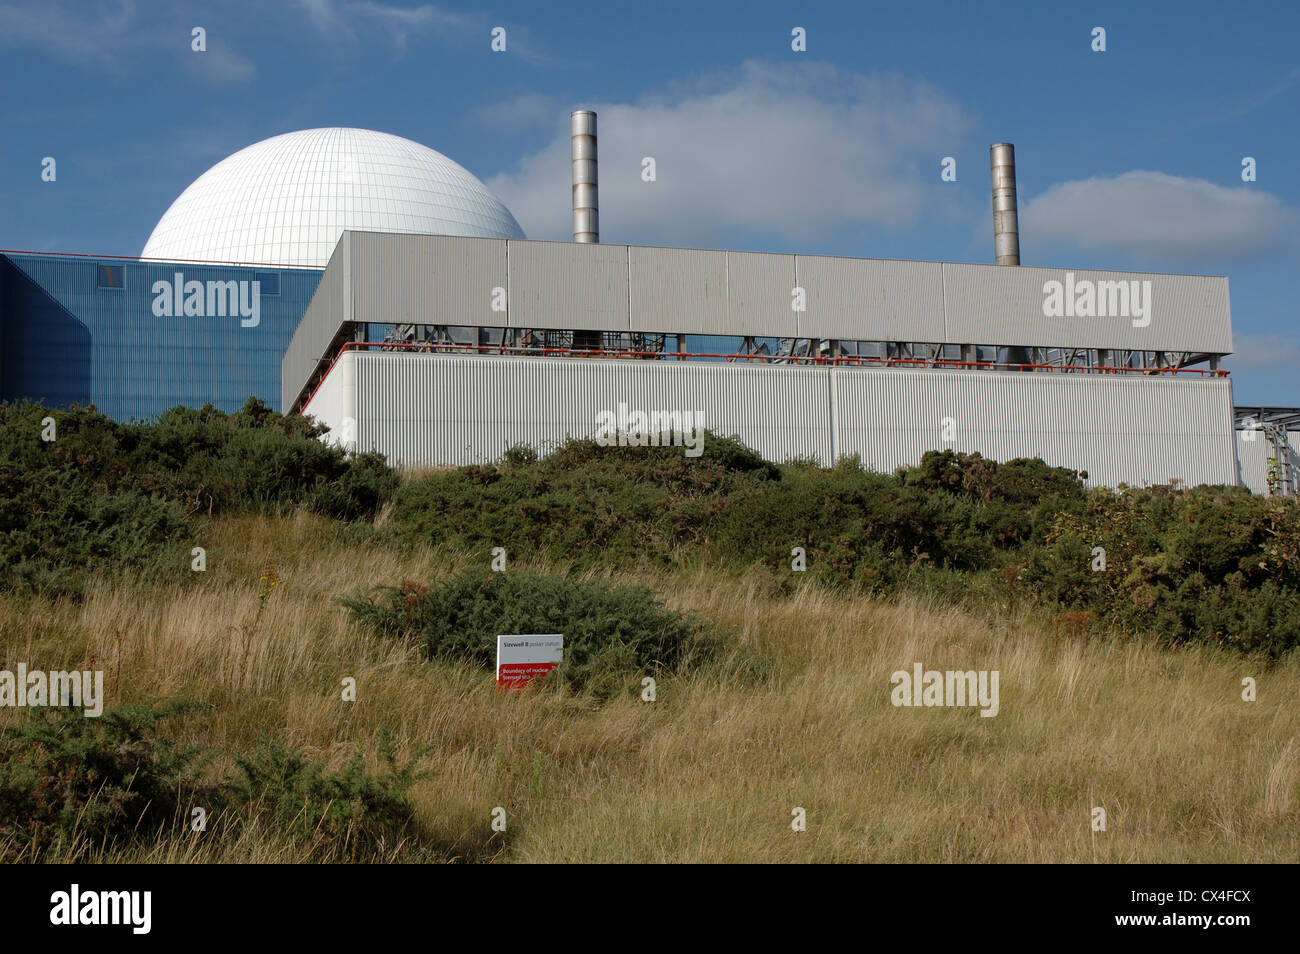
[(438, 409), (568, 285), (1253, 453), (428, 279), (870, 300), (673, 289), (1003, 305), (760, 295)]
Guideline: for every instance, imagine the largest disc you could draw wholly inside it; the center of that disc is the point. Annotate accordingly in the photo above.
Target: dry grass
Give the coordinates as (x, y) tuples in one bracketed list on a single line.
[(1186, 771)]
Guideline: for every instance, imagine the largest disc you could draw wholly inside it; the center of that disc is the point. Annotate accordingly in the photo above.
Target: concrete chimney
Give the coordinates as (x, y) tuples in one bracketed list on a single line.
[(586, 214), (1006, 230)]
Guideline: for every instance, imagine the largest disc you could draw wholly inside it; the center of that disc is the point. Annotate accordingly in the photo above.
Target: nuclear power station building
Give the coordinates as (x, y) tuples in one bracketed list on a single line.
[(380, 287)]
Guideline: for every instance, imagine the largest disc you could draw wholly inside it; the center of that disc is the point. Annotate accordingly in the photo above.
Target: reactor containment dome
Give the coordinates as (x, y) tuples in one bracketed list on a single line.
[(287, 200)]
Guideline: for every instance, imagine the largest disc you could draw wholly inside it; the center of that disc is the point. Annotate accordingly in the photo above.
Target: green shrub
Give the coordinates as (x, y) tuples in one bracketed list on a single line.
[(584, 504), (611, 633), (1209, 564), (111, 780), (113, 499), (348, 813), (1181, 564), (63, 774)]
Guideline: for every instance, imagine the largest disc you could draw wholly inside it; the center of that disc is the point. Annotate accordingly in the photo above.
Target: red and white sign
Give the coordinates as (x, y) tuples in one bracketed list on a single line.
[(521, 659)]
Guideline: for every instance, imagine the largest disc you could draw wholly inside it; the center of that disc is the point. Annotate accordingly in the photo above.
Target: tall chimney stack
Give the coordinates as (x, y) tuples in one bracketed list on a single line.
[(586, 215), (1006, 230)]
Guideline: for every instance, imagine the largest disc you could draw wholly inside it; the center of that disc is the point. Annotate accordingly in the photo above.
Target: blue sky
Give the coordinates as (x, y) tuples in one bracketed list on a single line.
[(1127, 159)]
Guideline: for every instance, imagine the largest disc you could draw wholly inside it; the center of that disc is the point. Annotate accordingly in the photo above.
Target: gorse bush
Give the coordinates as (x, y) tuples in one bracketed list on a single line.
[(110, 498), (257, 460), (613, 635), (64, 775), (349, 814), (615, 506), (586, 504), (1209, 564), (109, 780)]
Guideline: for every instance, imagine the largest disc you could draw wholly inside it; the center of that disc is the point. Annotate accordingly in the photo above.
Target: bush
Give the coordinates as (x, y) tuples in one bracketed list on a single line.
[(110, 780), (120, 498), (1210, 564), (1181, 564), (611, 633), (350, 813), (584, 504), (64, 775)]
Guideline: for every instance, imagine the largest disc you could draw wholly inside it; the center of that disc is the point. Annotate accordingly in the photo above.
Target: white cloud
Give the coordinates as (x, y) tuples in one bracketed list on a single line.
[(1152, 216), (220, 64), (401, 22), (767, 149), (74, 36), (325, 17), (1251, 352), (116, 39), (345, 19)]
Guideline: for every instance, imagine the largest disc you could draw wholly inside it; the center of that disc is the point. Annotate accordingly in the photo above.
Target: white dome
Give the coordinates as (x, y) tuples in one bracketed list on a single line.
[(287, 199)]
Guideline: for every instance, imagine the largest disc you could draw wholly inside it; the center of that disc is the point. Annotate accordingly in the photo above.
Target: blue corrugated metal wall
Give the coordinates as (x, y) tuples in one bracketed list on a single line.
[(64, 339)]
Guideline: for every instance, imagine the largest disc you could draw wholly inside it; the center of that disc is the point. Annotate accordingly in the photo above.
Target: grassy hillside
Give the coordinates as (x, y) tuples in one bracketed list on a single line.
[(711, 770), (772, 687)]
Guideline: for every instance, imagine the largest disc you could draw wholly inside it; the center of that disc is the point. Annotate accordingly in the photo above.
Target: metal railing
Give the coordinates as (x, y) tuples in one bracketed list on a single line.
[(433, 347), (858, 361)]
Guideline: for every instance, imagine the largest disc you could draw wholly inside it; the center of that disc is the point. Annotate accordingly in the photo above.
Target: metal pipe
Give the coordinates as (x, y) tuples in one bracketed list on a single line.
[(1006, 229), (586, 214)]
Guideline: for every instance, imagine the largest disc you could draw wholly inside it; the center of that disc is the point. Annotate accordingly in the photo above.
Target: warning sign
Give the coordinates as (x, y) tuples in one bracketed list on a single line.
[(521, 659)]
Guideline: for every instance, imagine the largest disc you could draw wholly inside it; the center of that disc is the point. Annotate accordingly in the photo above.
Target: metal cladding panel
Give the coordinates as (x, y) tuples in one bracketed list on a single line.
[(870, 300), (1253, 452), (441, 410), (426, 279), (568, 285), (334, 403), (1119, 429), (325, 314), (84, 330), (1003, 305), (677, 289), (760, 289)]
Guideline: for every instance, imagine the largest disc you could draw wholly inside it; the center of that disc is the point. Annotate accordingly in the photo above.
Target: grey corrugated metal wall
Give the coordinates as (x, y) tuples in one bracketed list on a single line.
[(328, 309), (688, 286), (1119, 429), (1253, 451), (437, 409), (903, 299), (566, 285), (991, 304), (443, 281)]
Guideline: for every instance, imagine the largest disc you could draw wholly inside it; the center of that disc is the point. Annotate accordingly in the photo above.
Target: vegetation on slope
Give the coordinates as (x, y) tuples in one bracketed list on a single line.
[(1203, 564), (81, 493), (773, 683)]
